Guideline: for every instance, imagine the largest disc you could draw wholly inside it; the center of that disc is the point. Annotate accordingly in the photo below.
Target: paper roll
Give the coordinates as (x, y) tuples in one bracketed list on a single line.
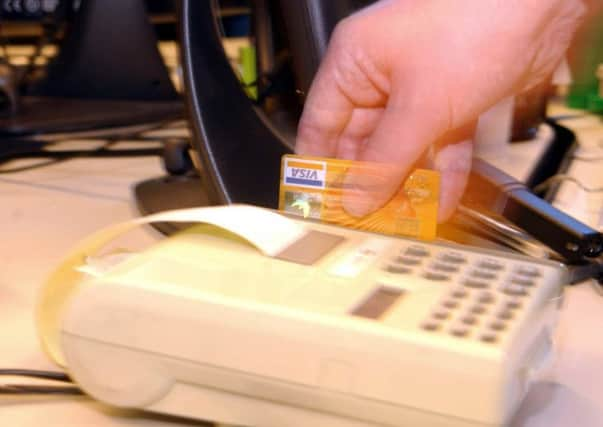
[(269, 231)]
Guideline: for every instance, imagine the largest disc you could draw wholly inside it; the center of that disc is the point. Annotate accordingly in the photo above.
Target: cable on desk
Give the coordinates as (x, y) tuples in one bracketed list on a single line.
[(26, 389), (33, 373), (55, 157), (34, 389), (30, 167), (122, 133), (105, 150), (562, 178), (62, 156)]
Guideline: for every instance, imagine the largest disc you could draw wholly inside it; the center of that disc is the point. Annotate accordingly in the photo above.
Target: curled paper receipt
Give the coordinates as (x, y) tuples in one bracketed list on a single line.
[(270, 232)]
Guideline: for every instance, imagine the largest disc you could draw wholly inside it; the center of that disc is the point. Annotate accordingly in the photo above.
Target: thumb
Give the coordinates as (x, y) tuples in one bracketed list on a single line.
[(397, 144)]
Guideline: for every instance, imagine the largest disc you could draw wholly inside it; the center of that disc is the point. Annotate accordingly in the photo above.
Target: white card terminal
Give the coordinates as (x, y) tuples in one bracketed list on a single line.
[(374, 331)]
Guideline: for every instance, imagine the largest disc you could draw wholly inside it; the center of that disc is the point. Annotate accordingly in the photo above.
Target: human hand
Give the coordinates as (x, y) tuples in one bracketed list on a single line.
[(406, 80)]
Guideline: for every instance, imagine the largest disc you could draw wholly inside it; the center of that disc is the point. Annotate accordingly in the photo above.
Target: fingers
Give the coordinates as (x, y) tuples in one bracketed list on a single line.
[(361, 125), (346, 82), (452, 157), (327, 111), (453, 161), (398, 142), (326, 114)]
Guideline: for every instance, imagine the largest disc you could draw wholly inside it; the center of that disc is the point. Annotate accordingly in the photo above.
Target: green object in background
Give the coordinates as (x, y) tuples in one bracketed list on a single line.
[(595, 104), (249, 72), (585, 57)]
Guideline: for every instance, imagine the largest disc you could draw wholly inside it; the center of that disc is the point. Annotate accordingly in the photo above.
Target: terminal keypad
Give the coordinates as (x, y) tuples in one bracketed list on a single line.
[(485, 293)]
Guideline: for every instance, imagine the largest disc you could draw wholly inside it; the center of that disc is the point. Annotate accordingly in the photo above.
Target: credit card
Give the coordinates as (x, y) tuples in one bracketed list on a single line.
[(313, 187)]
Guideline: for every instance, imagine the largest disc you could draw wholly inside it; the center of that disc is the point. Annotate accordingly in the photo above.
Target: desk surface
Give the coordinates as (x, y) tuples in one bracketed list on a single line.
[(44, 212)]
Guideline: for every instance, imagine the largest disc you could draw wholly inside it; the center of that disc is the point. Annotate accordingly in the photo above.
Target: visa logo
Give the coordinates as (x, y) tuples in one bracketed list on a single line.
[(304, 173), (309, 174)]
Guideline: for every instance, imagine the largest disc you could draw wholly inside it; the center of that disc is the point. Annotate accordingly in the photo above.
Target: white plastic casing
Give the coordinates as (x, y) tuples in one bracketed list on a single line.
[(203, 325)]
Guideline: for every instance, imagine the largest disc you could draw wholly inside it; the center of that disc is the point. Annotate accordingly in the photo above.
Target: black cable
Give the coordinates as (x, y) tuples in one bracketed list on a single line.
[(57, 159), (70, 154), (560, 178), (60, 159), (35, 389), (33, 373), (103, 151), (26, 389), (31, 167)]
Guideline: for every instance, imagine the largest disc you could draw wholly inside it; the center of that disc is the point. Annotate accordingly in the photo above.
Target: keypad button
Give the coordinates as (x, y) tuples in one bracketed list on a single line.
[(497, 325), (450, 303), (453, 257), (522, 282), (438, 277), (478, 309), (469, 320), (398, 269), (483, 275), (441, 314), (489, 337), (459, 330), (514, 290), (403, 260), (460, 293), (417, 250), (490, 264), (475, 284), (528, 271), (512, 304), (504, 315), (445, 268), (431, 325), (486, 298)]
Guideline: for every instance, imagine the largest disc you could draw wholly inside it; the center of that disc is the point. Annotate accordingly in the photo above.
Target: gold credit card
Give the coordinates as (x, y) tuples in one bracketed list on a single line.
[(313, 187)]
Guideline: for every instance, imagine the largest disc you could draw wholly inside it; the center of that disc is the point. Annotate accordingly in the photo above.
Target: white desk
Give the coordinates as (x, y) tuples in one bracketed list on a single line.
[(43, 213), (46, 211)]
